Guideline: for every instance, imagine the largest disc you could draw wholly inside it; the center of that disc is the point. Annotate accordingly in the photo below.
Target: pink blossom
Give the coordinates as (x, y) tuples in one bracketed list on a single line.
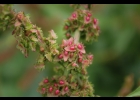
[(87, 19), (74, 16), (80, 47)]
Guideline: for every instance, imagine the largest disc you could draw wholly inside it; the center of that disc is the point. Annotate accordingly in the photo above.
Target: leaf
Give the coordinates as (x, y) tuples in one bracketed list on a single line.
[(33, 38), (135, 93), (32, 46), (48, 56), (28, 26), (53, 34)]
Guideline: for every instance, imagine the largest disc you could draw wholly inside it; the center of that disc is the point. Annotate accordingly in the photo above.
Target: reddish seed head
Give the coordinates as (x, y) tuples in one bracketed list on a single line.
[(20, 16), (68, 35), (95, 21), (80, 60), (65, 53), (61, 82), (50, 89), (87, 18), (74, 64), (80, 53), (55, 85), (89, 14), (43, 89), (66, 27), (57, 92), (90, 57), (60, 56), (66, 89), (70, 42), (46, 81), (72, 48), (79, 46), (74, 15)]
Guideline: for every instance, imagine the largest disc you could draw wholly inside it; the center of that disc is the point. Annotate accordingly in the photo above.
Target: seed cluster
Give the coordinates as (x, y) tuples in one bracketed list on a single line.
[(83, 21), (71, 77)]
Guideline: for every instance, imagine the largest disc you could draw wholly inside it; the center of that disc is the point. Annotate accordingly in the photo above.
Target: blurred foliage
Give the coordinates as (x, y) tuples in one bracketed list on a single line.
[(116, 53)]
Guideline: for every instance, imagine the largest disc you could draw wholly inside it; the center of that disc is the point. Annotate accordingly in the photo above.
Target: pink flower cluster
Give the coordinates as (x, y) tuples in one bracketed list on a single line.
[(52, 87), (83, 21), (74, 53)]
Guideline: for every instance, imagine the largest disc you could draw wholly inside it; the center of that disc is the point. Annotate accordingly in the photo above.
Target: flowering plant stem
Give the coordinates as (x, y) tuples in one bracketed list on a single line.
[(71, 77)]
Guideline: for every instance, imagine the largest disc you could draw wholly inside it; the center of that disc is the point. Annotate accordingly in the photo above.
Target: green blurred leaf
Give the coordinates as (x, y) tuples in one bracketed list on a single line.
[(135, 93)]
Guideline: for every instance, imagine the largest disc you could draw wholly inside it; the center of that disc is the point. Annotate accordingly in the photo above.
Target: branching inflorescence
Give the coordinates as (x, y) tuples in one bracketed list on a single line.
[(71, 77)]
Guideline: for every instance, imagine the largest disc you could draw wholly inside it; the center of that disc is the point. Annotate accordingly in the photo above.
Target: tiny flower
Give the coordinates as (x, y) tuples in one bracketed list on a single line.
[(60, 56), (81, 48), (57, 92), (46, 81), (66, 27), (86, 62), (70, 48), (55, 84), (61, 82), (65, 55), (87, 19), (66, 89), (74, 64), (74, 16), (50, 89), (90, 57), (68, 35), (80, 60), (95, 21), (89, 14), (20, 15), (43, 90), (80, 53), (70, 41)]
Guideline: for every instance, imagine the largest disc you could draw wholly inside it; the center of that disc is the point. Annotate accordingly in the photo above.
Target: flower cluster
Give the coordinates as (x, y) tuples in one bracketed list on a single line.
[(82, 21), (74, 53), (71, 78), (6, 14), (65, 87), (30, 37)]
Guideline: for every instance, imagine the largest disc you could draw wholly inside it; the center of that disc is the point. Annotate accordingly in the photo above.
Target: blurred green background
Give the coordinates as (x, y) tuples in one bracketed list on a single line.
[(116, 66)]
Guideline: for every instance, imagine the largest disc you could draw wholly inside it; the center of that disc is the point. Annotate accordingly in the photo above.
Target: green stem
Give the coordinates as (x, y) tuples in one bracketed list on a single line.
[(76, 36)]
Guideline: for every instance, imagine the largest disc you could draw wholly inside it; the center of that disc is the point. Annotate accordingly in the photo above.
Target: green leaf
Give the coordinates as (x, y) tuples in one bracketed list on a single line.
[(33, 38), (135, 93), (28, 26), (48, 56)]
